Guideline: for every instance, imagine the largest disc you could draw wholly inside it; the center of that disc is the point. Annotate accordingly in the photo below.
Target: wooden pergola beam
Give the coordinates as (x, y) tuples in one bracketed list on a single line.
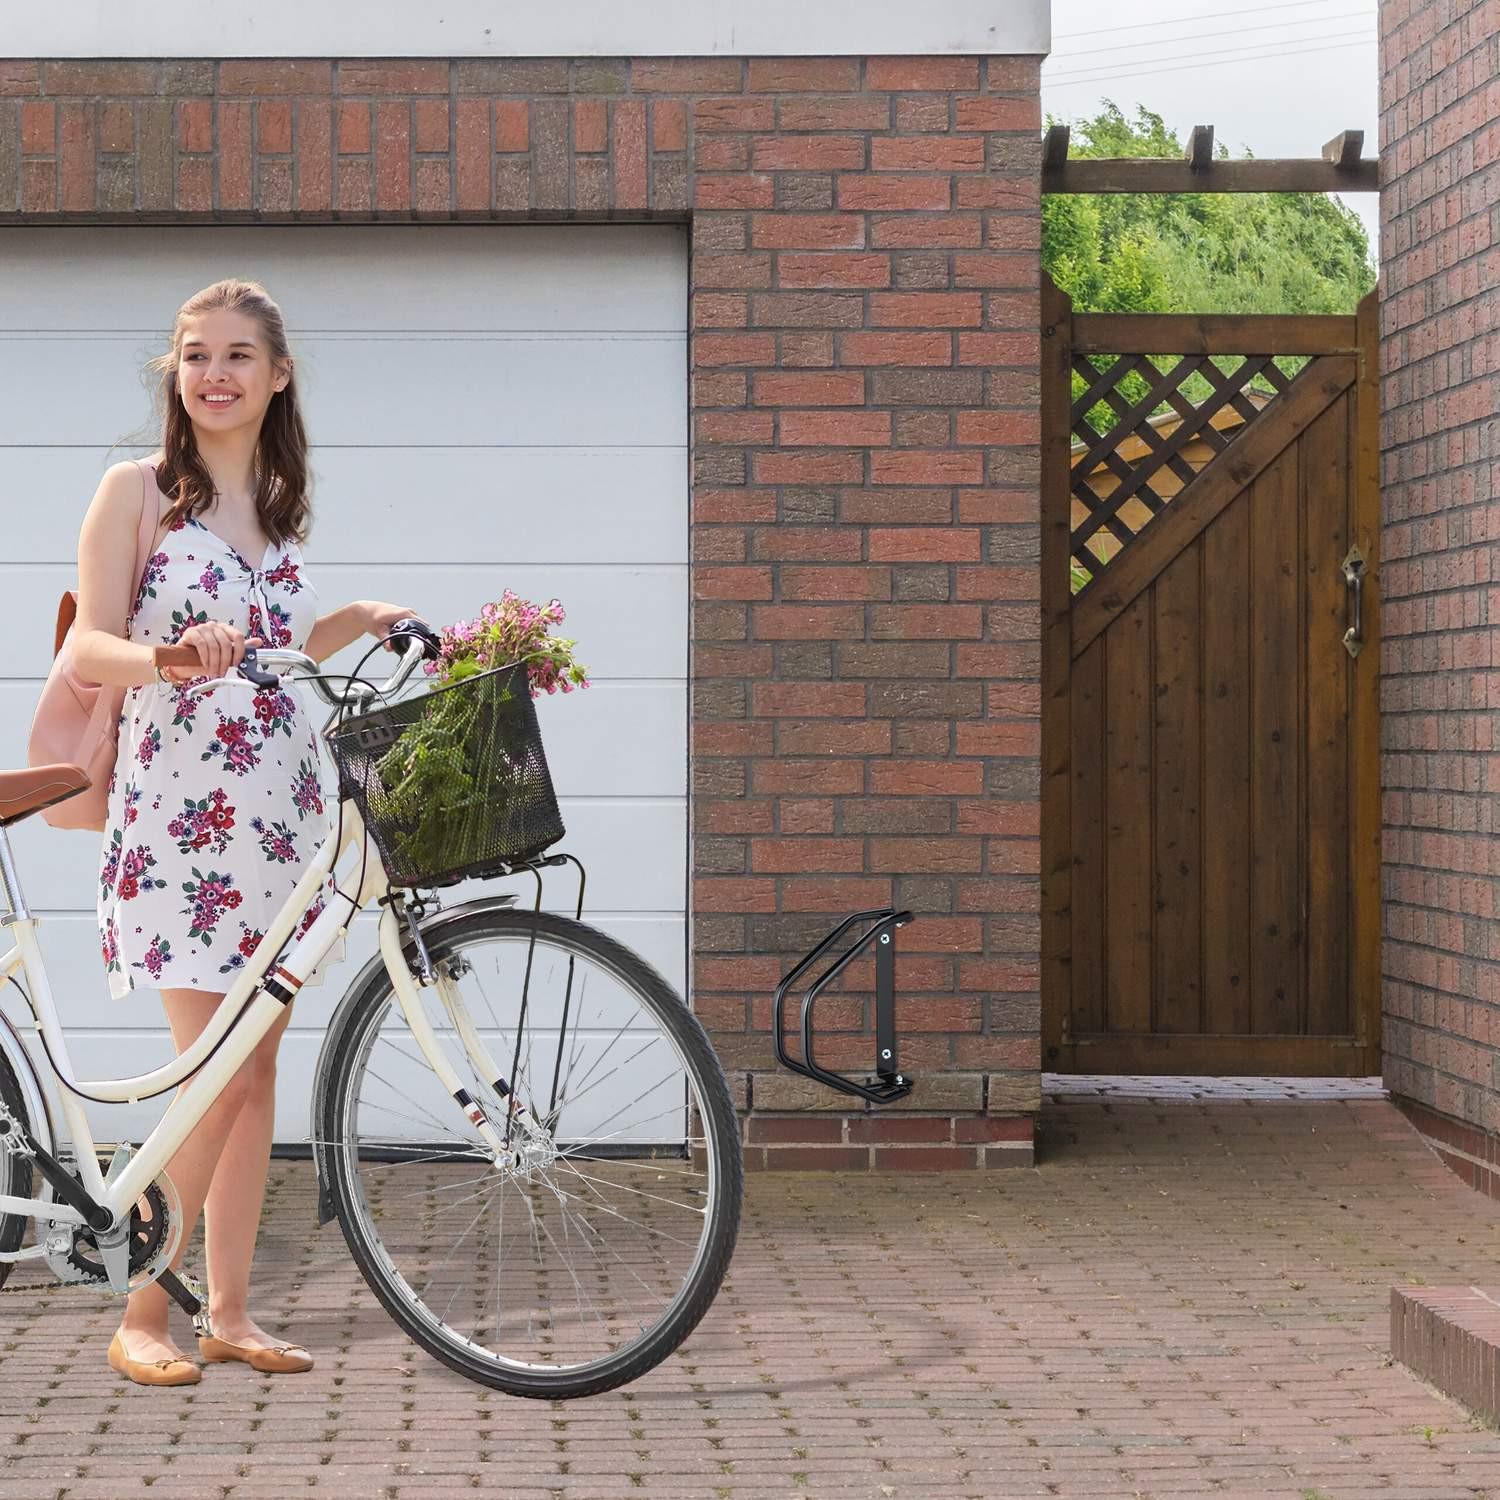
[(1339, 169), (1344, 148), (1264, 175), (1055, 146)]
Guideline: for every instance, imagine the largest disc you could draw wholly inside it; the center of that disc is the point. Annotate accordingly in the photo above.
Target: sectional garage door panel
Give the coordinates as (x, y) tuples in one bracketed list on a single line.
[(544, 278), (448, 391), (644, 723), (607, 501), (628, 620), (489, 407)]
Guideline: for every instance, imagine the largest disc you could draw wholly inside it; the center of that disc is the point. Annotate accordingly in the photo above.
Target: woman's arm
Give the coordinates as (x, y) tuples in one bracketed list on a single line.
[(334, 631), (106, 554)]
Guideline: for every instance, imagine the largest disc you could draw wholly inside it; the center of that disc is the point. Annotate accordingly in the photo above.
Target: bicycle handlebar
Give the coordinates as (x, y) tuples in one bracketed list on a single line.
[(260, 664)]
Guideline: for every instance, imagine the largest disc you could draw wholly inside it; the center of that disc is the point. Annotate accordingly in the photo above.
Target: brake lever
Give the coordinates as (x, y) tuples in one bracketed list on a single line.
[(251, 670)]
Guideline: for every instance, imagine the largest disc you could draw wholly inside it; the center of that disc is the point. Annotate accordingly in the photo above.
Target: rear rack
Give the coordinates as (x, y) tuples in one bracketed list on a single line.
[(892, 1084)]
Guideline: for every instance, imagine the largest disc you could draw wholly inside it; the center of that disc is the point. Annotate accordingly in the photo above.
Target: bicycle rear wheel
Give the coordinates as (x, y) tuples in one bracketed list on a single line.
[(586, 1261), (15, 1171)]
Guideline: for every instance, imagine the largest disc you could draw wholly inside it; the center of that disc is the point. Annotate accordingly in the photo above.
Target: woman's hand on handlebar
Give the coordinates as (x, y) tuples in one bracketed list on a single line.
[(378, 619), (220, 649)]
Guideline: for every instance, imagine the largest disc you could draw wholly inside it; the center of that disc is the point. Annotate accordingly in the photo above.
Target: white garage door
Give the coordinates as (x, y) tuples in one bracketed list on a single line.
[(489, 407)]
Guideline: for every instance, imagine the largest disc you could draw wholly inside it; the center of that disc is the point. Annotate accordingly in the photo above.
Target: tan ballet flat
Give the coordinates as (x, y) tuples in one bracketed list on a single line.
[(179, 1371), (282, 1359)]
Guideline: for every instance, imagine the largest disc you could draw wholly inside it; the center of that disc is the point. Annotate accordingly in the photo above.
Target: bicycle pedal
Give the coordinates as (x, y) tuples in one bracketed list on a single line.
[(190, 1295)]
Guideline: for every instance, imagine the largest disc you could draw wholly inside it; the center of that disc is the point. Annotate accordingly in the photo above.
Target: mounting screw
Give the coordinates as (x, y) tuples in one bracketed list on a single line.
[(885, 1051), (899, 1078), (885, 937)]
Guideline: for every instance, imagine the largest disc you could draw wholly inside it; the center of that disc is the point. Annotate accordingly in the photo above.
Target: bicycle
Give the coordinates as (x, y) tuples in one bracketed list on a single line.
[(414, 1125)]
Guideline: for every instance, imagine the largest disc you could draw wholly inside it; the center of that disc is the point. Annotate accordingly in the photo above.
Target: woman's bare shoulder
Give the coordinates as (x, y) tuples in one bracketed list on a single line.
[(116, 506)]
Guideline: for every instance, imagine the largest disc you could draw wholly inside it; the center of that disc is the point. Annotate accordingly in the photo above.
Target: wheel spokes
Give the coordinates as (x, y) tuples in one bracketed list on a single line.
[(602, 1248)]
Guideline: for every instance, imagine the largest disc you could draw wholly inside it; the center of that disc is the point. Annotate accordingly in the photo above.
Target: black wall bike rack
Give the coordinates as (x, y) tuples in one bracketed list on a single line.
[(892, 1083)]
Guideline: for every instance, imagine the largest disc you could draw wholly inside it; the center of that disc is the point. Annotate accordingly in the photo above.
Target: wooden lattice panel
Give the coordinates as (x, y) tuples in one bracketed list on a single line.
[(1144, 427)]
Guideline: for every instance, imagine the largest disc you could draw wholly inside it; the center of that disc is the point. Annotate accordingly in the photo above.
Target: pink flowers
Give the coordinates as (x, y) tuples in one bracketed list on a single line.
[(277, 841), (287, 574), (156, 956), (203, 824), (209, 896), (513, 629), (232, 741), (307, 793)]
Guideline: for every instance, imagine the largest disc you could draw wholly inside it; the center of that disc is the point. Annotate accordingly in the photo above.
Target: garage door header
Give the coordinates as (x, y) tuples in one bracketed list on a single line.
[(479, 28)]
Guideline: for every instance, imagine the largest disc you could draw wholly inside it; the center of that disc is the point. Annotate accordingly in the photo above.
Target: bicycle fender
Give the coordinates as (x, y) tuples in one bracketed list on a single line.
[(16, 1053), (429, 926)]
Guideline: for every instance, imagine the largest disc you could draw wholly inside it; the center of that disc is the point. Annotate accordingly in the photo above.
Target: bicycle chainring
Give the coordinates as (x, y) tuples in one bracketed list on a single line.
[(73, 1253)]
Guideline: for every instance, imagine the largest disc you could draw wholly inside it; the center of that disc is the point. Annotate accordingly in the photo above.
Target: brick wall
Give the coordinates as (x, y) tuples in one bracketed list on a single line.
[(1440, 439), (864, 387)]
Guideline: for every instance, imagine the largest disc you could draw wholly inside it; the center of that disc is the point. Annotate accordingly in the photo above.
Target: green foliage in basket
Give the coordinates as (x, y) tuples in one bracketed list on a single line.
[(450, 781)]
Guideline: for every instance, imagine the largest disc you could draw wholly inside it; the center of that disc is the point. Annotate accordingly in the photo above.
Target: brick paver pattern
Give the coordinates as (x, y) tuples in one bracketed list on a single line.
[(1188, 1296)]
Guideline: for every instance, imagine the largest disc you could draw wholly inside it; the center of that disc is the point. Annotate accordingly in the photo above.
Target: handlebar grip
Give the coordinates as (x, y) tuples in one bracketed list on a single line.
[(175, 656), (187, 656), (430, 639)]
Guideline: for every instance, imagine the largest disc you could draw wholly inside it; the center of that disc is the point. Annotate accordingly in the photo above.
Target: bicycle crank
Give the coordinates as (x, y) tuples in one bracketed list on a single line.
[(131, 1255)]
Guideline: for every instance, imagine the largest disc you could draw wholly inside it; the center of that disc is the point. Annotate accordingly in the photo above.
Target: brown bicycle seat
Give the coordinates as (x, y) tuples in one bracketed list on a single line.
[(28, 791)]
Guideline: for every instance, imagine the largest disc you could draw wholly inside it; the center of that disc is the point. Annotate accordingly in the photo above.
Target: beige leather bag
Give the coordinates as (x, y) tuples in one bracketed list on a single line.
[(78, 722)]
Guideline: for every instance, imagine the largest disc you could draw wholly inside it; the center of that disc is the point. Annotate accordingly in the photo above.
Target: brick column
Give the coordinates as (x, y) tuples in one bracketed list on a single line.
[(864, 387), (1440, 350)]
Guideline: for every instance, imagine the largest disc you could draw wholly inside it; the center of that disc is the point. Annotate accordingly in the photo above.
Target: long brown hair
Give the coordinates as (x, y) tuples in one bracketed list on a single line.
[(281, 480)]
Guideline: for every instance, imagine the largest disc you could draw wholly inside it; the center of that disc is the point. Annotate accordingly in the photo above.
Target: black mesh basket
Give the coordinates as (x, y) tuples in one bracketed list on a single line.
[(451, 783)]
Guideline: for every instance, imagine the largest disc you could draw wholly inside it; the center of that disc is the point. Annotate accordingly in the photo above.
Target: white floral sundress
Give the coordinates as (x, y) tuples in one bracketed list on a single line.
[(217, 797)]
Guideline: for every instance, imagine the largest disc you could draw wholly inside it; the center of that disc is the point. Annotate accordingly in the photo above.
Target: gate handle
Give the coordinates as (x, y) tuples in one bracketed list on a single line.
[(1354, 579)]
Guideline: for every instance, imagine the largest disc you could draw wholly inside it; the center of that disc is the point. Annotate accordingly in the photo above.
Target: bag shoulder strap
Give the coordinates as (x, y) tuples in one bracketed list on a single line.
[(150, 517), (67, 609)]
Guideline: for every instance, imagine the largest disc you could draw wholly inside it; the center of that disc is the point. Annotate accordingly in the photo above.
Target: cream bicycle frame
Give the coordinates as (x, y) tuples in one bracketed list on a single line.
[(240, 1039)]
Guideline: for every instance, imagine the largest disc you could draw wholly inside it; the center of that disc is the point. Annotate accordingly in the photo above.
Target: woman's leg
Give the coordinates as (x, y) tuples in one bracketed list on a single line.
[(143, 1328), (231, 1215)]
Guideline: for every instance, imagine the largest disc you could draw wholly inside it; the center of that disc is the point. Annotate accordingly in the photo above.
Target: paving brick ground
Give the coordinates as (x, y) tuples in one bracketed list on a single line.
[(1187, 1297)]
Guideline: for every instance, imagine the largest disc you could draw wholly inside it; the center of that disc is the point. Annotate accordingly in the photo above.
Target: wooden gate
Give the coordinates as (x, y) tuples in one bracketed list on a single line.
[(1210, 794)]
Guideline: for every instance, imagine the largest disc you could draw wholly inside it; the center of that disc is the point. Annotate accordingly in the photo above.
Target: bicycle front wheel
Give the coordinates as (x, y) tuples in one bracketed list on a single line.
[(586, 1259)]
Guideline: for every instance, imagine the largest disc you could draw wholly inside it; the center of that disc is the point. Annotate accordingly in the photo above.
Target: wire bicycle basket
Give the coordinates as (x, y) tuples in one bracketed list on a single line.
[(892, 1084), (452, 784)]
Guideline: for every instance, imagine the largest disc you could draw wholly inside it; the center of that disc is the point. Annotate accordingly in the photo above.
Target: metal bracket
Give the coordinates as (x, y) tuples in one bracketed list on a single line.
[(893, 1084), (13, 1138)]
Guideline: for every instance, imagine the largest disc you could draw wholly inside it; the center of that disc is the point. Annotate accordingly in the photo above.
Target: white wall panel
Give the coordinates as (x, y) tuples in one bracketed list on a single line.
[(489, 407), (628, 621), (643, 724), (451, 390), (547, 278), (608, 501), (70, 943)]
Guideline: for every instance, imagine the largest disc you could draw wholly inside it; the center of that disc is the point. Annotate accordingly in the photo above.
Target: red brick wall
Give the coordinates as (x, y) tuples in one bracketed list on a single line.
[(864, 377), (1440, 353)]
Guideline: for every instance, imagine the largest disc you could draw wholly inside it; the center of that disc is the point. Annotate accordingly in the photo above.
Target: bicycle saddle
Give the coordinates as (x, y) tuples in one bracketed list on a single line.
[(30, 790)]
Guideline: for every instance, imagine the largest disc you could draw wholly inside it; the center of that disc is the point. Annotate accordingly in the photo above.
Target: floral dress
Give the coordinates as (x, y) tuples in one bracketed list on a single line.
[(217, 796)]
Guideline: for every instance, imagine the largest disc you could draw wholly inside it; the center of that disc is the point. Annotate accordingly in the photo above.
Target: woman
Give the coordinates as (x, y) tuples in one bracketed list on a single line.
[(216, 800)]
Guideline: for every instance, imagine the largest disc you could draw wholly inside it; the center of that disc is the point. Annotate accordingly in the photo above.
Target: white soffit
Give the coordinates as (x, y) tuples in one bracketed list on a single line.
[(504, 28)]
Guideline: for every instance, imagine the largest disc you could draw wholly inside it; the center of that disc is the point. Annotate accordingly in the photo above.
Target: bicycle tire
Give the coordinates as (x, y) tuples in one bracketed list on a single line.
[(362, 1009), (15, 1171)]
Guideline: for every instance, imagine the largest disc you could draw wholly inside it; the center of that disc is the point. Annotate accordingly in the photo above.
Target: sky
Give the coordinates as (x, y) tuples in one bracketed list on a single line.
[(1280, 79)]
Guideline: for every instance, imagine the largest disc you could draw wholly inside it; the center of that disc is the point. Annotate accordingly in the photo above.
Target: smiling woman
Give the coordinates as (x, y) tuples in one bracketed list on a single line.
[(216, 800)]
